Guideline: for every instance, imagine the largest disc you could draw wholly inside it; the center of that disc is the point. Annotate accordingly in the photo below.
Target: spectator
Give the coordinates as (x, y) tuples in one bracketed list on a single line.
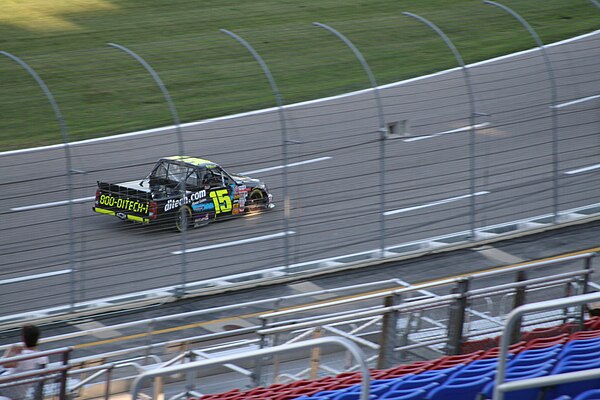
[(30, 335)]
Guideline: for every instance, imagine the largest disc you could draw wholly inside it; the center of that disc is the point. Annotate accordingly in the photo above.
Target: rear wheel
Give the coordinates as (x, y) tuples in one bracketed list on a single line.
[(184, 219)]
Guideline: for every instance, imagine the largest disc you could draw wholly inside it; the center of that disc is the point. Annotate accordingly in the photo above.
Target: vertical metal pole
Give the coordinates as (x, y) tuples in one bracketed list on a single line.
[(456, 318), (584, 290), (284, 138), (175, 115), (553, 108), (382, 129), (258, 366), (65, 136), (518, 301), (387, 346), (108, 379), (472, 113), (62, 391)]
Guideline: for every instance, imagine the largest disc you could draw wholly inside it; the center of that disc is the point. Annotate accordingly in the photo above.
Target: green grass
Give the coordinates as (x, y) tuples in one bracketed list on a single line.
[(102, 91)]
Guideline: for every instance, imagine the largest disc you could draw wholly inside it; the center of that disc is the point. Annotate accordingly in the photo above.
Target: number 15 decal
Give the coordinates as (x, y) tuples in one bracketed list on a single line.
[(221, 200)]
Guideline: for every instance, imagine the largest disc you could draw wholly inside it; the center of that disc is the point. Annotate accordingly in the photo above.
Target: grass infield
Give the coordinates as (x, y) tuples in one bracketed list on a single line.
[(102, 91)]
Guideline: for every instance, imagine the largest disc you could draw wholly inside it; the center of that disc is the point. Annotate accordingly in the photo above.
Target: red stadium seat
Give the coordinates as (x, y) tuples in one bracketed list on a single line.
[(585, 335), (449, 361), (480, 344), (547, 341), (513, 348), (541, 333)]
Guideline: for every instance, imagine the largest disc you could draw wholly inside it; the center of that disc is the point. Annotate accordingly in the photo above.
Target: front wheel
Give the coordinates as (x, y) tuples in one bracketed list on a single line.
[(184, 219), (257, 199)]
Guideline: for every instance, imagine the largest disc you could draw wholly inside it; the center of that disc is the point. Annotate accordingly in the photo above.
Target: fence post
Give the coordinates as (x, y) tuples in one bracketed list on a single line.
[(456, 317), (382, 129), (65, 136), (519, 300), (553, 108), (472, 113), (257, 374), (584, 289), (179, 291), (387, 343), (284, 139), (62, 395)]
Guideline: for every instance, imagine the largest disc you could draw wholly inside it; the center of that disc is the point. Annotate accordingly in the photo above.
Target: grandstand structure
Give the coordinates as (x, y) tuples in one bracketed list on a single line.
[(428, 341)]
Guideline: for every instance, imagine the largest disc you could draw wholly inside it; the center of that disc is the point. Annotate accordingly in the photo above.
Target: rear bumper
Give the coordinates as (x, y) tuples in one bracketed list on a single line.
[(123, 215)]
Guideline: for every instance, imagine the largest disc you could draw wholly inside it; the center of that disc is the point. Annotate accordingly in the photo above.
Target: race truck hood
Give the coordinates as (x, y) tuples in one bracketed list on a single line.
[(246, 180)]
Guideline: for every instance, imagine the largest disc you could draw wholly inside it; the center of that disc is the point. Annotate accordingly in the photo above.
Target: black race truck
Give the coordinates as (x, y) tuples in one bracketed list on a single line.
[(184, 191)]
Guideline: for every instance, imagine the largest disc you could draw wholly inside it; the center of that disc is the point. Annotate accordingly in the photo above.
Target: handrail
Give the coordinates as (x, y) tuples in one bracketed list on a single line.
[(195, 365), (411, 288), (441, 282), (513, 316), (555, 278), (36, 354), (188, 314), (370, 313)]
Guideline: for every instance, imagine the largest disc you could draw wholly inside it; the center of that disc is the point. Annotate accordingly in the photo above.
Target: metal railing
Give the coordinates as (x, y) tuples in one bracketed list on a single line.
[(39, 376), (139, 382), (502, 387)]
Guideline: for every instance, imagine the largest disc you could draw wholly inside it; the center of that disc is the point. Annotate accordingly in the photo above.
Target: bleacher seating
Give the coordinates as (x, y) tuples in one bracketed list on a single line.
[(466, 376)]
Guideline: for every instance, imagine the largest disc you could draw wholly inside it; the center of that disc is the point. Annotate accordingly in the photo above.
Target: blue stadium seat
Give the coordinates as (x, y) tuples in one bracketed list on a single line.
[(376, 389), (407, 395), (528, 394), (593, 394), (327, 393), (445, 371), (577, 357), (533, 359), (419, 380), (575, 388), (556, 348), (392, 394), (351, 396), (467, 390), (519, 370), (473, 372)]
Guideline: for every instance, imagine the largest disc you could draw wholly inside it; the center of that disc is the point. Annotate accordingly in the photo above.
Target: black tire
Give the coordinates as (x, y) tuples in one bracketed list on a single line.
[(257, 199), (185, 212)]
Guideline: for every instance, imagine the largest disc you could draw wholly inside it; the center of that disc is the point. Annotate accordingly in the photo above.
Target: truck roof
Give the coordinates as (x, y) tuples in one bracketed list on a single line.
[(195, 161)]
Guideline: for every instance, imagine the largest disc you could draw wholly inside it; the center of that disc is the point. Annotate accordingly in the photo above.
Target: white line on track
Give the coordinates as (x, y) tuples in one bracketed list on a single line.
[(237, 242), (272, 109), (314, 160), (31, 277), (53, 204), (84, 199), (570, 103), (584, 169), (463, 129), (435, 203)]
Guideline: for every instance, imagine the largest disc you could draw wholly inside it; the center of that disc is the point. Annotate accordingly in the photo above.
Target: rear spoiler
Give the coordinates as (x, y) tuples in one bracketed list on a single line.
[(122, 191)]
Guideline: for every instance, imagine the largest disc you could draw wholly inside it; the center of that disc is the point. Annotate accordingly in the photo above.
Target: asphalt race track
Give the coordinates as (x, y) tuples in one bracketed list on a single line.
[(334, 179)]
